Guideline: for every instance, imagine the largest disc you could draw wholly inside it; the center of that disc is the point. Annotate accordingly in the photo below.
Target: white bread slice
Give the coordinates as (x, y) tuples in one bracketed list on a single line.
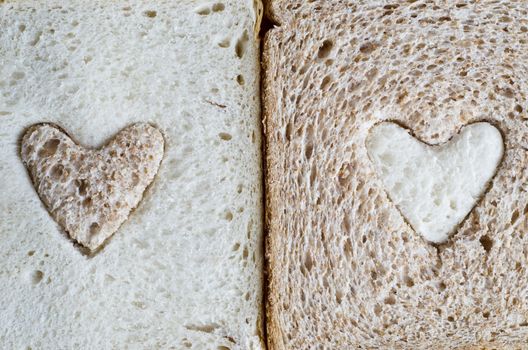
[(184, 269), (346, 271)]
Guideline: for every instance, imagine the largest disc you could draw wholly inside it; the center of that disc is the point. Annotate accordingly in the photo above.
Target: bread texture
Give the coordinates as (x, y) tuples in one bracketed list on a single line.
[(90, 193), (345, 269), (184, 270), (435, 187)]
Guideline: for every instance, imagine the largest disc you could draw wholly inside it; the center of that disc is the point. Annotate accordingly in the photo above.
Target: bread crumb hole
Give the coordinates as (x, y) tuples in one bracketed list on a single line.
[(139, 304), (308, 262), (87, 202), (241, 45), (442, 286), (224, 43), (236, 246), (225, 136), (245, 253), (409, 282), (240, 79), (229, 216), (339, 297), (377, 309), (49, 148), (135, 177), (367, 48), (218, 7), (326, 81), (514, 217), (150, 14), (36, 39), (390, 300), (221, 347), (82, 185), (57, 171), (347, 247), (325, 49), (94, 229), (486, 314), (288, 131), (486, 243), (203, 11), (37, 276), (31, 253), (308, 151)]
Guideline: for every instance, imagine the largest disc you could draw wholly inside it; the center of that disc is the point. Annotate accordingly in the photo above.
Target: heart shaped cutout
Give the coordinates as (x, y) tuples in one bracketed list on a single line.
[(435, 187), (91, 192)]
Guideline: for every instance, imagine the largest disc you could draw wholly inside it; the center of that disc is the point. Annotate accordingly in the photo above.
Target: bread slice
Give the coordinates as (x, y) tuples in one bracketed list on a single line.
[(346, 270), (183, 270)]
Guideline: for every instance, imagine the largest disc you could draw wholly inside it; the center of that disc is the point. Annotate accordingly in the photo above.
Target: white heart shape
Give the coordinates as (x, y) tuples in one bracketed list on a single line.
[(435, 187)]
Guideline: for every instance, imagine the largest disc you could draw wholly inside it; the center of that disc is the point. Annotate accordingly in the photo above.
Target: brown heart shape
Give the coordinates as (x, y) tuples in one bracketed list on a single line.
[(91, 192)]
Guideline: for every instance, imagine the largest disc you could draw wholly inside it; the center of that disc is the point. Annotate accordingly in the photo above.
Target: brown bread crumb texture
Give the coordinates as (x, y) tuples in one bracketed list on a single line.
[(345, 270), (90, 193)]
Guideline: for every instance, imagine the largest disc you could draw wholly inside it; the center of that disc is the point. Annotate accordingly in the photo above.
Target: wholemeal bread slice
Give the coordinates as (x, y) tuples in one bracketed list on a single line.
[(91, 193), (137, 120), (346, 269)]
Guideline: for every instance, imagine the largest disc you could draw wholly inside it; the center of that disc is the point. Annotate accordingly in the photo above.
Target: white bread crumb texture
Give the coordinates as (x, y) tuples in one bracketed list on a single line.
[(435, 187), (90, 193), (184, 270), (346, 270)]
